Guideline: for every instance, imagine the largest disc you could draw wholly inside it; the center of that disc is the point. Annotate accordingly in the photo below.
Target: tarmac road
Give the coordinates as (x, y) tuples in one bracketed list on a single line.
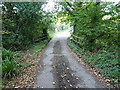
[(60, 69)]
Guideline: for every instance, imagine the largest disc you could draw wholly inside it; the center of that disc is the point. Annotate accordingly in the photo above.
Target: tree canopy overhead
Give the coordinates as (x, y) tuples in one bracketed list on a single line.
[(95, 33), (95, 27), (24, 23), (95, 22)]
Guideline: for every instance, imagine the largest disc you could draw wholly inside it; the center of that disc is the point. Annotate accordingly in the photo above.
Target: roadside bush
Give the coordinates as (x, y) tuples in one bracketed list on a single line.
[(7, 54), (24, 24), (10, 66), (106, 60)]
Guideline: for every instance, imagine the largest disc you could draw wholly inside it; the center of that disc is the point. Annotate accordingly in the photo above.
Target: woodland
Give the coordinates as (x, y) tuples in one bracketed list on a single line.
[(94, 34)]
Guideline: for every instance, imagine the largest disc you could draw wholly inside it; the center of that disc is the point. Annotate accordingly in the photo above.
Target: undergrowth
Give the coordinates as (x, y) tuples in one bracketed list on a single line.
[(103, 59), (12, 65), (38, 47)]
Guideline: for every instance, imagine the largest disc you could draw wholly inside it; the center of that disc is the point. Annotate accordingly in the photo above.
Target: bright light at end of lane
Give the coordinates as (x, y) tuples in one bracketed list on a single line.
[(64, 34)]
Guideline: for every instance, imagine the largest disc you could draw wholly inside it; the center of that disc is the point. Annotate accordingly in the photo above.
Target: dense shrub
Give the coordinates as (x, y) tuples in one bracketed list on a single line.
[(24, 23), (7, 54), (10, 66)]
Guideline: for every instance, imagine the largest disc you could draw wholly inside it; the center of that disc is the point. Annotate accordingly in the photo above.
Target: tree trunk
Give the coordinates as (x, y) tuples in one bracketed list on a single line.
[(74, 27), (45, 34)]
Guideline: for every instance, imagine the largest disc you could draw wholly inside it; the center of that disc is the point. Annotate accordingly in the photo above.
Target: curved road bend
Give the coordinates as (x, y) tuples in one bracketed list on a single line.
[(60, 69)]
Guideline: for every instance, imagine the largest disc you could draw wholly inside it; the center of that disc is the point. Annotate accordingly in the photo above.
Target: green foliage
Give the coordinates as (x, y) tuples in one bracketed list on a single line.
[(96, 24), (105, 60), (8, 54), (23, 24), (36, 48), (10, 66)]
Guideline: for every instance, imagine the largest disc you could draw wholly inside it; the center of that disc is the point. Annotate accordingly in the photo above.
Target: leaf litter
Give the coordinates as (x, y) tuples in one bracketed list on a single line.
[(27, 77)]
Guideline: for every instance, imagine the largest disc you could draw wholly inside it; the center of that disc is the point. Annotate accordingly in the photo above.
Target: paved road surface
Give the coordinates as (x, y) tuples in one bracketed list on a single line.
[(60, 69)]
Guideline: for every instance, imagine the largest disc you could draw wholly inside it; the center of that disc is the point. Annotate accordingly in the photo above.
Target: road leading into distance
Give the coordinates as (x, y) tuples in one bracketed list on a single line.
[(60, 69)]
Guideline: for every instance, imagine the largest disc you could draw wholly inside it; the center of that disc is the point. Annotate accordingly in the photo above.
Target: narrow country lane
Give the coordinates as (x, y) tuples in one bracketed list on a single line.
[(60, 69)]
